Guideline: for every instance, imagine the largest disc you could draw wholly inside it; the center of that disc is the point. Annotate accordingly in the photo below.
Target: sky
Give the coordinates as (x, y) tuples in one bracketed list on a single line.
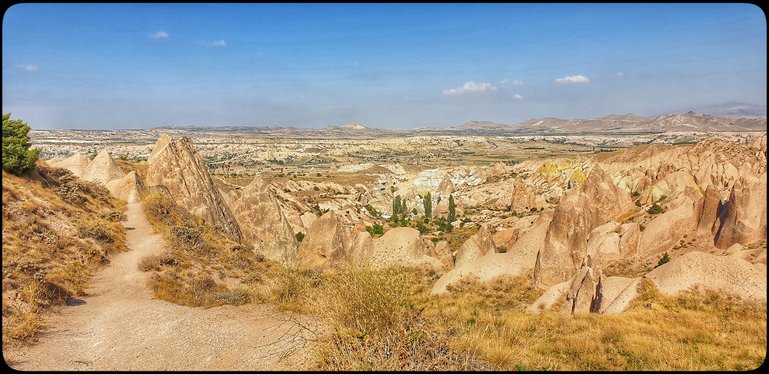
[(94, 66)]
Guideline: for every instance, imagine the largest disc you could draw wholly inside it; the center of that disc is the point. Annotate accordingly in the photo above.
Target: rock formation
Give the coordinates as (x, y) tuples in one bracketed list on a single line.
[(129, 188), (262, 223), (475, 246), (102, 169), (578, 213), (176, 165), (401, 246), (325, 244), (76, 163), (518, 259), (744, 219)]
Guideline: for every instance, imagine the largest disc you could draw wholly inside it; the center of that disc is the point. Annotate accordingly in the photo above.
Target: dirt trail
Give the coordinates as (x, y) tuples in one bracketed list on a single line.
[(120, 327)]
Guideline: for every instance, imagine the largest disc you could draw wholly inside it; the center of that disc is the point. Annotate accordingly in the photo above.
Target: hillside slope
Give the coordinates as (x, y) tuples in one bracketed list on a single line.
[(57, 229)]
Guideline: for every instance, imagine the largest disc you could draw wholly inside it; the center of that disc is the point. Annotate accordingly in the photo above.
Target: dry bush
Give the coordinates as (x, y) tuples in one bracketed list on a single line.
[(114, 216), (72, 189), (375, 325), (290, 288), (151, 262), (187, 236)]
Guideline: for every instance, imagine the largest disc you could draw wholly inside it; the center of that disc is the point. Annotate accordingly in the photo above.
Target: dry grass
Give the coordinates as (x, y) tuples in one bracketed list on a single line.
[(200, 267), (694, 331), (57, 230), (374, 322)]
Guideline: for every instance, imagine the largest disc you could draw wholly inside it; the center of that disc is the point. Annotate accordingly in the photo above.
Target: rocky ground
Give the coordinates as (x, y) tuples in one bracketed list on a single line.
[(587, 225)]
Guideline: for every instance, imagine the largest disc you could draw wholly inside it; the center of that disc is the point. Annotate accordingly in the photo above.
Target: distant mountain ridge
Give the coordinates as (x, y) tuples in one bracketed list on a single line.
[(733, 108), (614, 123)]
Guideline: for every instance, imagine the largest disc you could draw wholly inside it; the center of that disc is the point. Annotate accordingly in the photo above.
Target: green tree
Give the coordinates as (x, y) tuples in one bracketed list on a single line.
[(452, 209), (17, 157), (377, 229), (404, 210), (428, 202), (396, 205)]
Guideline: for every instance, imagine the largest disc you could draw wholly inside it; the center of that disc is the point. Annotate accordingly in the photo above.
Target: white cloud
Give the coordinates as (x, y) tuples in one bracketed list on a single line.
[(470, 88), (215, 43), (620, 74), (517, 97), (515, 82), (573, 79), (160, 35), (28, 68)]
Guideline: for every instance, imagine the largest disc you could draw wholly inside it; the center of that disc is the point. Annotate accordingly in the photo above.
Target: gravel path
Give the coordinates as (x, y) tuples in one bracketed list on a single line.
[(119, 326)]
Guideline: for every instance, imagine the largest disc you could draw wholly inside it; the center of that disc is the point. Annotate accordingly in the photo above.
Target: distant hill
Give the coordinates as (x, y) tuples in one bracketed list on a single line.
[(630, 123), (614, 123), (733, 108)]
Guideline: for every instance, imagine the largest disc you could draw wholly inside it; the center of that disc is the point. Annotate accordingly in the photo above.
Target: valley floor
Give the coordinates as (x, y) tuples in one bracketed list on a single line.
[(119, 326)]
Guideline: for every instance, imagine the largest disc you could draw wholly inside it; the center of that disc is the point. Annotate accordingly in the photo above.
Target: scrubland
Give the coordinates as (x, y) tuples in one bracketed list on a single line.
[(385, 319)]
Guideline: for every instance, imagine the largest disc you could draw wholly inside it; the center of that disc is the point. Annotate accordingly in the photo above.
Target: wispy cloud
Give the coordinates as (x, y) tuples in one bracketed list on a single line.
[(470, 88), (214, 44), (515, 81), (160, 35), (517, 97), (573, 79), (620, 74), (27, 68)]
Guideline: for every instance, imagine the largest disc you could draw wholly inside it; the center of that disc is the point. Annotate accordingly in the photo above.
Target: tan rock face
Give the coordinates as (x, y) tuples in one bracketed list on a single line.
[(630, 239), (129, 188), (307, 219), (727, 273), (578, 213), (75, 163), (475, 246), (506, 237), (176, 165), (665, 230), (709, 211), (744, 218), (442, 252), (325, 245), (584, 293), (401, 246), (262, 223), (360, 249), (102, 169)]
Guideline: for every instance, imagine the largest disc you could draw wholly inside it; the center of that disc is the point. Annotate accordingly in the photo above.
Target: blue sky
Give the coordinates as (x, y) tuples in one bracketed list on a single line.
[(383, 65)]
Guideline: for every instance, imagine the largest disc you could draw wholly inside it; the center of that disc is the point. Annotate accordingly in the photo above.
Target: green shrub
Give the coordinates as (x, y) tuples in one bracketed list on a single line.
[(656, 209), (663, 260), (377, 229), (17, 157), (299, 236)]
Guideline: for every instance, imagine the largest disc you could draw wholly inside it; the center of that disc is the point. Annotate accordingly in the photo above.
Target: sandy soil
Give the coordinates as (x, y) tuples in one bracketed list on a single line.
[(119, 326)]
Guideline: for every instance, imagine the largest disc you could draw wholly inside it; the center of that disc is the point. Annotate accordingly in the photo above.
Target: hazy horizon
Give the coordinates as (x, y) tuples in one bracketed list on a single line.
[(399, 66)]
